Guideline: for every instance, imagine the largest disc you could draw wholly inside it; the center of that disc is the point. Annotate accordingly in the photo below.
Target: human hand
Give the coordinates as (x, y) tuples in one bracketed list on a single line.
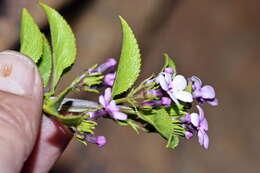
[(29, 142)]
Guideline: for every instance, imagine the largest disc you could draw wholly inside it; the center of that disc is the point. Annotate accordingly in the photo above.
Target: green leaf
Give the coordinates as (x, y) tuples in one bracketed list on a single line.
[(130, 123), (173, 141), (63, 43), (130, 61), (30, 37), (162, 122), (169, 62), (45, 65), (176, 110), (86, 126)]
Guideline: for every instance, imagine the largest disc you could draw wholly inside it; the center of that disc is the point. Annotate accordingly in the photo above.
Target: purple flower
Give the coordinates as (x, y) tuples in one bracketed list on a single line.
[(199, 123), (204, 93), (109, 64), (165, 102), (175, 86), (188, 134), (99, 140), (110, 106), (109, 79), (95, 114), (153, 92)]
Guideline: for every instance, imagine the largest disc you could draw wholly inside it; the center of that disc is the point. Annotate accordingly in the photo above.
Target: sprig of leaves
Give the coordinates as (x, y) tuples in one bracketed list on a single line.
[(55, 58)]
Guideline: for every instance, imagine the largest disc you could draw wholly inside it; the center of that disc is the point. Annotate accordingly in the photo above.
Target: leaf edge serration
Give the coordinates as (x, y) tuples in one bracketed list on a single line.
[(117, 88)]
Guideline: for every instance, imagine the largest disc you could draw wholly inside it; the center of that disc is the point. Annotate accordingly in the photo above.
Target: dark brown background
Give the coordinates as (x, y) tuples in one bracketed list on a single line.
[(218, 40)]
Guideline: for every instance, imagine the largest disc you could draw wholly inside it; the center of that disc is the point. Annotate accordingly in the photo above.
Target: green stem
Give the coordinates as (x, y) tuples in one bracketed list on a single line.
[(127, 110)]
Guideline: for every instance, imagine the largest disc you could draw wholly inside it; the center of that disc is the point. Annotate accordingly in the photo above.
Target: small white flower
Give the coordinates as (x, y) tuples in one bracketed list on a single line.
[(175, 87)]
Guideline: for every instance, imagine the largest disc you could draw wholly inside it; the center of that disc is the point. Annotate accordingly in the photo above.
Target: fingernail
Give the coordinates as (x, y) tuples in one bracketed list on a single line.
[(18, 74)]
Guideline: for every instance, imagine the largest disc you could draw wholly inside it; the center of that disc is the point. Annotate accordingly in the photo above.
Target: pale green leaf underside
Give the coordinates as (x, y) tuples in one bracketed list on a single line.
[(30, 37), (63, 43), (162, 122), (45, 65), (129, 63), (169, 62)]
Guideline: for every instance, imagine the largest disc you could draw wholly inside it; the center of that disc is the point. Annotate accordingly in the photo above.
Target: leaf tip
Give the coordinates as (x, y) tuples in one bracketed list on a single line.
[(25, 13), (42, 4), (24, 10), (122, 20)]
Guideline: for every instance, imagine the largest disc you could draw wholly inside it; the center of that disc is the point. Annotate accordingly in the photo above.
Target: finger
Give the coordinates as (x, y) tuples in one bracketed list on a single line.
[(20, 109), (52, 141)]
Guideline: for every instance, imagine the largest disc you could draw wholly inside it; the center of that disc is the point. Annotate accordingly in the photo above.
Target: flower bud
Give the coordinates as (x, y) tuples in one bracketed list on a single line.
[(153, 92), (109, 64), (101, 141), (109, 79), (166, 101), (188, 135), (169, 70)]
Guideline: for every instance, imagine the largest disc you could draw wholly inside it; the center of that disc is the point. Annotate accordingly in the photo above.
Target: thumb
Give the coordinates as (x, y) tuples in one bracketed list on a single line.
[(20, 109)]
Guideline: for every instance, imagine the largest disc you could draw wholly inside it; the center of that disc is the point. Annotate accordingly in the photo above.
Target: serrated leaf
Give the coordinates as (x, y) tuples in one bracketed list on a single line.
[(130, 123), (45, 65), (30, 37), (169, 62), (130, 61), (63, 43), (162, 122), (174, 110)]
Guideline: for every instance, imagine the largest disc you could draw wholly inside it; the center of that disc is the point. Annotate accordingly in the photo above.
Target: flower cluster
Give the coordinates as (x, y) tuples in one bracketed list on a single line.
[(176, 87), (163, 103), (166, 90)]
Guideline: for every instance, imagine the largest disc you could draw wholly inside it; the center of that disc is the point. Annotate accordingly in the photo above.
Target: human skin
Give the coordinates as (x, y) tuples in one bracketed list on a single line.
[(29, 141)]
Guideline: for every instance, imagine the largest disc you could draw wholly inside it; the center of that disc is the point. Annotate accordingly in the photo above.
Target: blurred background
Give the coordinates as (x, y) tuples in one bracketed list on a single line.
[(217, 40)]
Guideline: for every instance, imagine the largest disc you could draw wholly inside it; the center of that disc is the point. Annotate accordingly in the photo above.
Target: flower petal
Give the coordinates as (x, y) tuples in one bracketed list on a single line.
[(108, 95), (194, 118), (166, 101), (183, 96), (197, 82), (207, 92), (119, 116), (196, 93), (101, 141), (109, 79), (201, 137), (204, 124), (213, 102), (163, 82), (112, 107), (168, 78), (179, 82), (173, 97), (206, 141), (102, 100), (187, 118), (169, 70), (188, 135), (201, 112)]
